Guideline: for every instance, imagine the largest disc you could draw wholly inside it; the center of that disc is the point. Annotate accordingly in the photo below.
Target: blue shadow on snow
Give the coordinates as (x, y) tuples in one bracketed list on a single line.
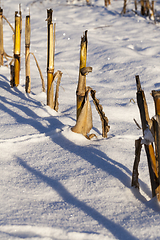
[(114, 228)]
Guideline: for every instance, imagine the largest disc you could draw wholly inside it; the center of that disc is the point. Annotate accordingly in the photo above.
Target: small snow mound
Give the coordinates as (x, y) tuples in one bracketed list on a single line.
[(26, 231), (131, 47), (77, 138), (51, 111), (148, 137), (21, 89)]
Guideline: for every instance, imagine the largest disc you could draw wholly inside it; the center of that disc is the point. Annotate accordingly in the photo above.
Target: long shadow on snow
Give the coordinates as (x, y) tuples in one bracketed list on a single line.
[(15, 91), (22, 120), (100, 160), (114, 228), (90, 154), (34, 120)]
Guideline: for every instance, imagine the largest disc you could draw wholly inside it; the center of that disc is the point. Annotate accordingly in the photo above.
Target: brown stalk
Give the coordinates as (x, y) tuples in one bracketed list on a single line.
[(57, 75), (104, 119), (146, 123)]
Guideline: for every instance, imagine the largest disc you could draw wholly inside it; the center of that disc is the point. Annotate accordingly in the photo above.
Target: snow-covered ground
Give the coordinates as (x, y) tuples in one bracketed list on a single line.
[(56, 184)]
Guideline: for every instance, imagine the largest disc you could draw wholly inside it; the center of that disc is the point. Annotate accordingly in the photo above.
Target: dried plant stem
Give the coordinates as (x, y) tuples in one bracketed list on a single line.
[(138, 147), (152, 10), (50, 59), (137, 124), (142, 7), (8, 23), (17, 47), (135, 4), (42, 79), (7, 56), (104, 119), (84, 122), (81, 88), (27, 55), (107, 2), (20, 13), (50, 70), (156, 121), (57, 75), (146, 122), (12, 75), (147, 6), (124, 7), (1, 37)]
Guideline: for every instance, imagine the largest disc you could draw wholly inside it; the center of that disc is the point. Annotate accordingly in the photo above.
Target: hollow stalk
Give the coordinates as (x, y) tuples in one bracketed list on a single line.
[(17, 48), (27, 55), (50, 61)]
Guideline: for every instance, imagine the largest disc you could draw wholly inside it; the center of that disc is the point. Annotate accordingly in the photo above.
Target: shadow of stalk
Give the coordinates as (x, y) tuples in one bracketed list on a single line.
[(114, 228)]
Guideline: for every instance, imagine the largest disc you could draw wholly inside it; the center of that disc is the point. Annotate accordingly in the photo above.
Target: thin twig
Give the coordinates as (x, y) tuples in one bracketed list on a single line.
[(42, 79), (8, 23), (137, 123)]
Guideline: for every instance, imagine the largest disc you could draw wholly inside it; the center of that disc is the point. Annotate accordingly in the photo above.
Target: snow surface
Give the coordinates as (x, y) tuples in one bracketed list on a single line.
[(56, 184)]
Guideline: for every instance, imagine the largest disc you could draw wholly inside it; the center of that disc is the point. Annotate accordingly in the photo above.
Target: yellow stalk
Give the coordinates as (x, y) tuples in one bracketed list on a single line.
[(81, 88), (17, 47), (27, 55), (50, 69)]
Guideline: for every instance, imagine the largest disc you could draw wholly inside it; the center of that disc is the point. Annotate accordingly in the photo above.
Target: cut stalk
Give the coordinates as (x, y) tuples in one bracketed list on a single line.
[(147, 7), (142, 7), (107, 2), (146, 123), (1, 37), (20, 13), (135, 4), (81, 88), (135, 173), (156, 97), (124, 7), (49, 21), (27, 55), (152, 10), (17, 48), (50, 60)]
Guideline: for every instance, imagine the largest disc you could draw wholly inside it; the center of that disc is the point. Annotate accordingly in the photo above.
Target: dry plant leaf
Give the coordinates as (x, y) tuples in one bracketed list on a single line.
[(84, 122)]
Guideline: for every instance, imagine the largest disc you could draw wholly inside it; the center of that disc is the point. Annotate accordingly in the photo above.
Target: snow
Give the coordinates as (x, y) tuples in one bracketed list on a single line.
[(56, 184), (148, 137)]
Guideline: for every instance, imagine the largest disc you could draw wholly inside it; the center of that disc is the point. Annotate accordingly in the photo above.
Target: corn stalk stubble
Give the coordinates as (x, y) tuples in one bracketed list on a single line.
[(156, 124), (27, 54), (17, 47), (81, 88), (147, 123)]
